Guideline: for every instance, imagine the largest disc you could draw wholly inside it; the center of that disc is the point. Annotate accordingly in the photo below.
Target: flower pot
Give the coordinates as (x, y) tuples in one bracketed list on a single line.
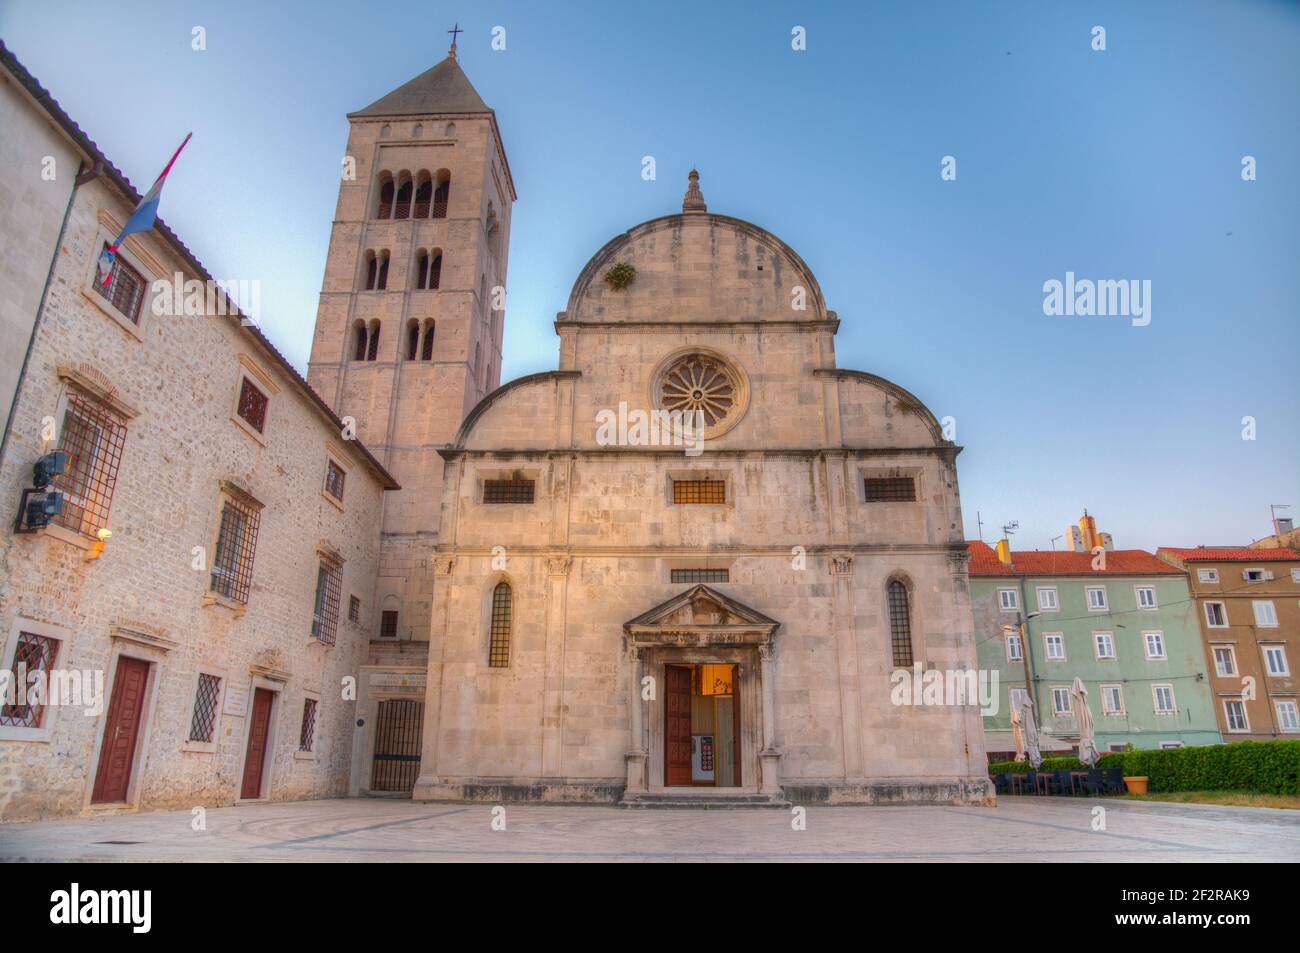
[(1136, 784)]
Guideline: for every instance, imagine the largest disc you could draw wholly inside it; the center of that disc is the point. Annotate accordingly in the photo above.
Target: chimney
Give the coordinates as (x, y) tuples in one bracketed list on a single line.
[(1004, 551)]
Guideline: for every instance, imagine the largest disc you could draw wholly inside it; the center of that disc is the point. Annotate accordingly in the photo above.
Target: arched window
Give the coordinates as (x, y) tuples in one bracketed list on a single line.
[(421, 270), (499, 634), (382, 282), (373, 350), (402, 208), (385, 209), (359, 333), (442, 194), (426, 353), (412, 339), (478, 366), (372, 271), (423, 196), (435, 270), (900, 625)]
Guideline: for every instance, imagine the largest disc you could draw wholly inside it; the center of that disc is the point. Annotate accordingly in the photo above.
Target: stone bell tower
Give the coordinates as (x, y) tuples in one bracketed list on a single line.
[(407, 339)]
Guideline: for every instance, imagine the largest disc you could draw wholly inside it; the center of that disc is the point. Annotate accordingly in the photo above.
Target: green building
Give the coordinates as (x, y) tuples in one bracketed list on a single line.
[(1125, 625)]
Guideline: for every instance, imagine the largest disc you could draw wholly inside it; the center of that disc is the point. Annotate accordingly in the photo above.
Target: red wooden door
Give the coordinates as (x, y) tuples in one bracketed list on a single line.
[(677, 724), (121, 731), (255, 756)]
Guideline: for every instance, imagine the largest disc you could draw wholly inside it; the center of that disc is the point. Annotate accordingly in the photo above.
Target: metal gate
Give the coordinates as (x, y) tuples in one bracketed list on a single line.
[(397, 745)]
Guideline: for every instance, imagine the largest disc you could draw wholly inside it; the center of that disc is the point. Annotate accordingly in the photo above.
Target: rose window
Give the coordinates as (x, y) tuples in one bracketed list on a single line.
[(698, 382)]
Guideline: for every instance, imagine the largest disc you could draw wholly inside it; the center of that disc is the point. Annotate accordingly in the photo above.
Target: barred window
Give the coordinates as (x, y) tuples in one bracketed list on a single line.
[(508, 491), (699, 491), (252, 405), (92, 437), (900, 625), (232, 564), (325, 612), (354, 609), (699, 575), (125, 288), (204, 721), (388, 624), (307, 734), (499, 643), (335, 477), (890, 490), (34, 653)]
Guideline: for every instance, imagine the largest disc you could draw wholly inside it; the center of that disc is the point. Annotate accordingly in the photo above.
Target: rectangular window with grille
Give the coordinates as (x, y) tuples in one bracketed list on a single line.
[(325, 610), (92, 436), (388, 624), (699, 491), (307, 734), (125, 288), (252, 405), (699, 575), (508, 491), (203, 723), (334, 479), (34, 653), (354, 609), (890, 490), (232, 563)]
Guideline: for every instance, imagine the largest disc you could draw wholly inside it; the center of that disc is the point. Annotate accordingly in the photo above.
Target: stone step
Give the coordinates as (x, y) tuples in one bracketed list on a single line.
[(703, 801)]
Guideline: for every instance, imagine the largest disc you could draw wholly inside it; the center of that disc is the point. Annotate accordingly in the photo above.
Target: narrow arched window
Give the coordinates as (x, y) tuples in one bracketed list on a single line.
[(385, 200), (435, 270), (441, 195), (900, 625), (423, 196), (427, 353), (402, 207), (382, 281), (373, 351), (499, 636), (412, 340), (421, 270), (372, 270), (359, 354)]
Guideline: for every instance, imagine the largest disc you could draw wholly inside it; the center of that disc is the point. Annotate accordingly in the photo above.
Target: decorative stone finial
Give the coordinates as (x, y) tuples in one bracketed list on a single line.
[(693, 201)]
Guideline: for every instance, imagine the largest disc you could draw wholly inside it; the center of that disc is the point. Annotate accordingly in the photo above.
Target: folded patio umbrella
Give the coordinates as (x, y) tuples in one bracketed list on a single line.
[(1083, 718), (1018, 735), (1030, 731)]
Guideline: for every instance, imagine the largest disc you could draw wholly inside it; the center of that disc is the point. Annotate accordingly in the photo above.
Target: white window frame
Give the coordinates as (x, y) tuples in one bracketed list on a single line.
[(1048, 639), (1013, 639), (1232, 660), (1263, 574), (1285, 671), (331, 457), (1227, 716), (1097, 638), (1256, 605), (1155, 699), (1008, 605), (1295, 575), (1138, 590), (1056, 599), (1105, 603), (1164, 745), (1208, 575), (1223, 611), (1058, 692), (205, 747), (1118, 689), (1146, 644), (1282, 719)]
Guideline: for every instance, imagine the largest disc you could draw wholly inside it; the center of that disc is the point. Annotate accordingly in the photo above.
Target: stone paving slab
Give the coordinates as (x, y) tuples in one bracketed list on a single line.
[(359, 830)]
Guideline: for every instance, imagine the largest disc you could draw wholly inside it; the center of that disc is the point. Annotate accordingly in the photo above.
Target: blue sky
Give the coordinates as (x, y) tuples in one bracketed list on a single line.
[(1117, 164)]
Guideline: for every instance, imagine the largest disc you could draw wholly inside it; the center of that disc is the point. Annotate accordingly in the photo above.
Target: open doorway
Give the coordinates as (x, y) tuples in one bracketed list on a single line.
[(701, 725)]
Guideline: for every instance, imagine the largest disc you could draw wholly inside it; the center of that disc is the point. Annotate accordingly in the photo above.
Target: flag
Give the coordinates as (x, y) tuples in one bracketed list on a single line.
[(141, 219)]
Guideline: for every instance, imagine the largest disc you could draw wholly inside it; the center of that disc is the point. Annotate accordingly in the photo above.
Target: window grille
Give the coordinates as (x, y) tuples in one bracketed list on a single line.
[(499, 644), (307, 734), (890, 490), (508, 491), (92, 437), (388, 624), (34, 653), (125, 288), (232, 564), (900, 625), (204, 721), (334, 480), (699, 491), (699, 575), (325, 614), (252, 405)]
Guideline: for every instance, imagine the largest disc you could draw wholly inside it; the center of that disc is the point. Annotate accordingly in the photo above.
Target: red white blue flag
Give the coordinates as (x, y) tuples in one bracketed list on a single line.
[(141, 219)]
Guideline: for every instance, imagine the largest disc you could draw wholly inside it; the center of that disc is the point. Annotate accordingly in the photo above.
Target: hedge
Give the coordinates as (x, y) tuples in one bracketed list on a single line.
[(1260, 767)]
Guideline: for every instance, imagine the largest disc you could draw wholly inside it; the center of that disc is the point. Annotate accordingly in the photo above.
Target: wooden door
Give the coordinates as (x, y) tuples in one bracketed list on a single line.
[(121, 731), (677, 724), (258, 731)]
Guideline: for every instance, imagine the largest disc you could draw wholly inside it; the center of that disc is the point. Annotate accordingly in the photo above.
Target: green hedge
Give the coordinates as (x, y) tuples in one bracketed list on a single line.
[(1260, 767)]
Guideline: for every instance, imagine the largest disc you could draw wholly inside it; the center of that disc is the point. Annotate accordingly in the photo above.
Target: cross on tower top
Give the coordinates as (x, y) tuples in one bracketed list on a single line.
[(454, 31)]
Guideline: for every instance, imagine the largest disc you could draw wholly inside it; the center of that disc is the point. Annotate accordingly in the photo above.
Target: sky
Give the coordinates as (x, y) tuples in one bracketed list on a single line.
[(1117, 164)]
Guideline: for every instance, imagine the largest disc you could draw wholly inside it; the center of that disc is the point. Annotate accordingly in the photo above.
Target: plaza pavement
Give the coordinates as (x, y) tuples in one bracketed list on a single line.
[(1019, 829)]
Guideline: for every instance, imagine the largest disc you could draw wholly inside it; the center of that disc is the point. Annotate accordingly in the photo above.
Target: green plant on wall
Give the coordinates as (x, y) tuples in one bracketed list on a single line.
[(620, 276)]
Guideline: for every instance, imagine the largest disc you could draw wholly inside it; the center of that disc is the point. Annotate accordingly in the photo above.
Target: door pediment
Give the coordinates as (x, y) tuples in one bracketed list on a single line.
[(701, 616)]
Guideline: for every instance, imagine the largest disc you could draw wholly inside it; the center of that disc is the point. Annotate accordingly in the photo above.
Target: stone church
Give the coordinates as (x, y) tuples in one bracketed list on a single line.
[(704, 602)]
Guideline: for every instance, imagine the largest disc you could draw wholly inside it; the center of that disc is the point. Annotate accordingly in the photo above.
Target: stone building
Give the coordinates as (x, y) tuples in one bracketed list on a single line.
[(200, 595)]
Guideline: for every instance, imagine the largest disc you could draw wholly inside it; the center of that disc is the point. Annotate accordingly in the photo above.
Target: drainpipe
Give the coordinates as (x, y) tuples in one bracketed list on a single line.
[(82, 178), (1025, 646)]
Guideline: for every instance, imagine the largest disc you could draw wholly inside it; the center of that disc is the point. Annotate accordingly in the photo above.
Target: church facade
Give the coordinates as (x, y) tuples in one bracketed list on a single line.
[(683, 565)]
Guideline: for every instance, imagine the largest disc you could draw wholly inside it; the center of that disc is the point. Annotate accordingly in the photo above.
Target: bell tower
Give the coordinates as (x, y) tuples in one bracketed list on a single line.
[(407, 340)]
